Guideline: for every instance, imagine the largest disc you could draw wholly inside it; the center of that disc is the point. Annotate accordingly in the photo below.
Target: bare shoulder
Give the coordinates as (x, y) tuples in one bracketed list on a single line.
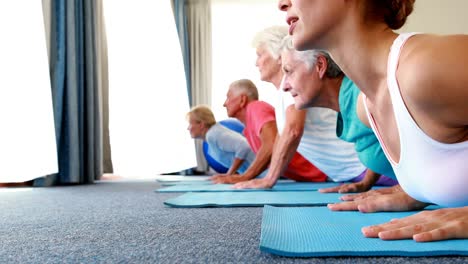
[(433, 77)]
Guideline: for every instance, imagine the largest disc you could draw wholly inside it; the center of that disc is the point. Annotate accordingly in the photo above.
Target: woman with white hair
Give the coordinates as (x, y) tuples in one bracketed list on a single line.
[(311, 132)]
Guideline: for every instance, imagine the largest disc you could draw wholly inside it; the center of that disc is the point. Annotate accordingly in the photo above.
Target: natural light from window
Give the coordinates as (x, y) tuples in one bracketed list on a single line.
[(147, 91), (27, 136)]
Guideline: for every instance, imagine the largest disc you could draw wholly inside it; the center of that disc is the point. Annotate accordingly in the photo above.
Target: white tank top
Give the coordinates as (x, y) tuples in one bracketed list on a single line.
[(319, 144), (428, 170)]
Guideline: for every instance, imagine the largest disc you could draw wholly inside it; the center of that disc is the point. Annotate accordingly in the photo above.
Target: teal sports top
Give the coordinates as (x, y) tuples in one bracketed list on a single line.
[(349, 128)]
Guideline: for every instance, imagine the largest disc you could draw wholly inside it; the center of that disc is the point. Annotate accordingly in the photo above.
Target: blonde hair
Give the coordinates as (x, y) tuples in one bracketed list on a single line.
[(203, 114), (245, 86), (272, 38)]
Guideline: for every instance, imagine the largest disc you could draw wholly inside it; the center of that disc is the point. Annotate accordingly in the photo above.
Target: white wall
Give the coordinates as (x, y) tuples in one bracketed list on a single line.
[(439, 17), (234, 25)]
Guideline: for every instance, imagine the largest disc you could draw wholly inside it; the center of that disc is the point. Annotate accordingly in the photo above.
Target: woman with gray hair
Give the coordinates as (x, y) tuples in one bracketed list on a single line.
[(314, 80), (226, 146), (310, 133)]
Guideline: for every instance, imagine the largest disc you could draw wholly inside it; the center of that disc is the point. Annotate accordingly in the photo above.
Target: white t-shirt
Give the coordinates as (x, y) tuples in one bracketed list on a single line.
[(319, 144)]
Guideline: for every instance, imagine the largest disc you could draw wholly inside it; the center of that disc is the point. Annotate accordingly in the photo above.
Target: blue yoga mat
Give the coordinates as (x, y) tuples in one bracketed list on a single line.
[(280, 186), (179, 178), (199, 182), (248, 199), (187, 182), (319, 232)]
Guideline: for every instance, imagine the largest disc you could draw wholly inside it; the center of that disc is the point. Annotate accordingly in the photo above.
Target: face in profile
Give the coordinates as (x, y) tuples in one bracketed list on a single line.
[(232, 103), (310, 21), (266, 64), (303, 83), (195, 127)]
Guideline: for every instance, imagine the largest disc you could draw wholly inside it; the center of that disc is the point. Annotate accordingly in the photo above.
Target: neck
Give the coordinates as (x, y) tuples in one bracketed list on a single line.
[(362, 58), (276, 80), (205, 130), (241, 115), (329, 94)]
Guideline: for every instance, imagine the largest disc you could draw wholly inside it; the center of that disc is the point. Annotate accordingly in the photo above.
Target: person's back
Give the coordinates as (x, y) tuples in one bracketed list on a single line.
[(225, 145)]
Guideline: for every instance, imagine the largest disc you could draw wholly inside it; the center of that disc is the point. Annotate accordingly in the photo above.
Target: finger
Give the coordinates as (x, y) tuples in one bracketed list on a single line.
[(329, 190), (344, 206), (422, 232), (350, 197), (392, 230), (377, 204), (237, 186), (241, 185), (441, 233), (347, 188), (412, 220)]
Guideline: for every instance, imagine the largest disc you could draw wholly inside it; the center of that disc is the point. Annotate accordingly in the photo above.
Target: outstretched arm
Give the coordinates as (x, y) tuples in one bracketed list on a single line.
[(262, 159), (284, 149), (232, 170)]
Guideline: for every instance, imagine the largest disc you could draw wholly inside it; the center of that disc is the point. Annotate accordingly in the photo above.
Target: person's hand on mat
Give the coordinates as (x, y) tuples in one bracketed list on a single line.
[(347, 188), (230, 179), (388, 190), (395, 201), (254, 184), (441, 224), (219, 175)]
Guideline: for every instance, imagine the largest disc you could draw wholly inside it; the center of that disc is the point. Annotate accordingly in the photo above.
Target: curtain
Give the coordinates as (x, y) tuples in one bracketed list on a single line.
[(179, 8), (76, 92), (147, 90), (102, 79), (27, 136), (193, 20)]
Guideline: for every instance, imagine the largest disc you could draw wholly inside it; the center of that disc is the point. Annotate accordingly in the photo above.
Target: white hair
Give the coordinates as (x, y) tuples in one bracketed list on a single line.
[(272, 38), (309, 57)]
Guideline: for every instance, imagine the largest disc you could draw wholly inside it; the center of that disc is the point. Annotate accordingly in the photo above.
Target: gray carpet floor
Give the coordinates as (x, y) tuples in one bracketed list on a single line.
[(126, 222)]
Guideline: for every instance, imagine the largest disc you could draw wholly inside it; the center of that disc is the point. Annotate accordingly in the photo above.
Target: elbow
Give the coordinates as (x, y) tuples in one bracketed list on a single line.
[(295, 133)]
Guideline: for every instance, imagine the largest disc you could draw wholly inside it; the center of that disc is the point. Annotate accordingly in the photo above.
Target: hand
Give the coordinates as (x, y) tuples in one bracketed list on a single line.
[(442, 224), (219, 175), (347, 188), (387, 190), (234, 178), (254, 184), (387, 199)]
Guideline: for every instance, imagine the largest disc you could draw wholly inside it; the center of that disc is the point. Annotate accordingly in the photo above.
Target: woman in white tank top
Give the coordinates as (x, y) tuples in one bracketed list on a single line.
[(416, 101)]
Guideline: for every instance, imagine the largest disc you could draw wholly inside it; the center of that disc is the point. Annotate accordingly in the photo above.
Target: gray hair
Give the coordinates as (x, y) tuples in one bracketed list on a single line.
[(272, 39), (309, 57), (245, 86)]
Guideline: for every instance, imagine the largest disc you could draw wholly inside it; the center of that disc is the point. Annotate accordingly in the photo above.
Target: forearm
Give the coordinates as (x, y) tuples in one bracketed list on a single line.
[(235, 166), (370, 178), (283, 152), (261, 162)]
